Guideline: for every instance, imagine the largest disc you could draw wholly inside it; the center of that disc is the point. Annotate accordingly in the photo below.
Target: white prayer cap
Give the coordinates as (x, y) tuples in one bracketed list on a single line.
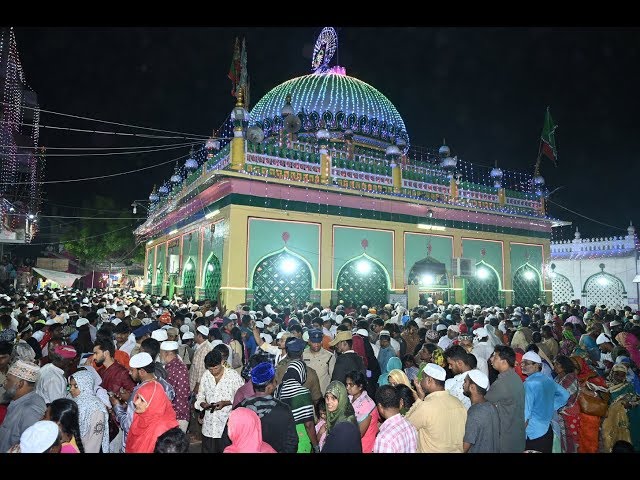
[(454, 328), (266, 337), (481, 333), (119, 308), (50, 321), (208, 313), (116, 321), (169, 345), (188, 336), (441, 327), (435, 371), (29, 305), (100, 311), (362, 332), (203, 330), (305, 336), (267, 320), (81, 321), (39, 437), (85, 300), (602, 338), (259, 324), (184, 328), (282, 334), (339, 318), (479, 378), (161, 335), (166, 327), (140, 360), (233, 316), (532, 356), (385, 332)]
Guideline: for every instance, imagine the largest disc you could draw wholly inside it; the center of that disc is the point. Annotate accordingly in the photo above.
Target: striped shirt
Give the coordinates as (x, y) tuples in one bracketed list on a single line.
[(396, 435)]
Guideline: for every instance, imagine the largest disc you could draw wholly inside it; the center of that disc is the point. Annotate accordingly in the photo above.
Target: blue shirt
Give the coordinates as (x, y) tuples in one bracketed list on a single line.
[(542, 397)]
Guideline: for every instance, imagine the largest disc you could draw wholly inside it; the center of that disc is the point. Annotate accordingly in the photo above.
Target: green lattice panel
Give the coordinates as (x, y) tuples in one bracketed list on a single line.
[(526, 287), (157, 288), (212, 278), (484, 292), (357, 288), (189, 281), (271, 284), (172, 286)]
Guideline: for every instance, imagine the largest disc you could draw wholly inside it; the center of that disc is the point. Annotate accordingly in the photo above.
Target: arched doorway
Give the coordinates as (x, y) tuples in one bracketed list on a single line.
[(604, 289), (484, 288), (212, 277), (527, 288), (159, 278), (189, 280), (282, 278), (363, 280), (431, 277)]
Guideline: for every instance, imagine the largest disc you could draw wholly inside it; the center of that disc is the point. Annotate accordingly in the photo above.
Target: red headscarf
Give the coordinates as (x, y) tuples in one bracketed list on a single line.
[(585, 373), (245, 431), (518, 366), (153, 422)]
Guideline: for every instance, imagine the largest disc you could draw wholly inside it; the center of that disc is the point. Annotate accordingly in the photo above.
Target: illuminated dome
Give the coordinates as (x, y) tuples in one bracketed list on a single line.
[(336, 100)]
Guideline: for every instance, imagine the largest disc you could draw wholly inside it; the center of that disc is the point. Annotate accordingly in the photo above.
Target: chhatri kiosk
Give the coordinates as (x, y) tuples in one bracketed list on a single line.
[(318, 196)]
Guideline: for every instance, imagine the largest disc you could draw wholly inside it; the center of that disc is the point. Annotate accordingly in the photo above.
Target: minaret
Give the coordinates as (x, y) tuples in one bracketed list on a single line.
[(240, 117)]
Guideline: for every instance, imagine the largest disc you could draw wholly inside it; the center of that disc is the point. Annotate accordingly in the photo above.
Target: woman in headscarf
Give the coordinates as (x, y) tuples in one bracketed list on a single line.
[(569, 342), (364, 407), (567, 419), (291, 392), (153, 416), (623, 417), (392, 363), (339, 408), (494, 339), (245, 432), (589, 424), (397, 376), (94, 419), (630, 343)]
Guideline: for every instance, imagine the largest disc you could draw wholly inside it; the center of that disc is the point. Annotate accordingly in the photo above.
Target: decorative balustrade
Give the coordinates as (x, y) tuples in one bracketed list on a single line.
[(594, 246)]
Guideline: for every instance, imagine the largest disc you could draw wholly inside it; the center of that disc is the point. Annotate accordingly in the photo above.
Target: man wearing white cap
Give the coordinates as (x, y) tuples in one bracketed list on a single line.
[(197, 362), (482, 430), (26, 407), (482, 349), (605, 344), (542, 397), (440, 418), (447, 340), (41, 437), (178, 377)]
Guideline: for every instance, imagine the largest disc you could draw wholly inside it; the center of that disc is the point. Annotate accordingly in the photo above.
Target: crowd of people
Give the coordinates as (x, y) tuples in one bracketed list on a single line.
[(121, 371)]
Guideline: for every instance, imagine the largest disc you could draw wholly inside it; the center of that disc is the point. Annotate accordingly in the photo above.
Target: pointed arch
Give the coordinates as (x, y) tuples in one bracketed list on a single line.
[(526, 292), (603, 288), (484, 291), (561, 288), (212, 277), (271, 283), (357, 287), (433, 267), (189, 279)]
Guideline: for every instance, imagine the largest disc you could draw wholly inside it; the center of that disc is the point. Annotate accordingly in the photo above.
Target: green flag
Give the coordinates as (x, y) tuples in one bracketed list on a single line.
[(548, 139)]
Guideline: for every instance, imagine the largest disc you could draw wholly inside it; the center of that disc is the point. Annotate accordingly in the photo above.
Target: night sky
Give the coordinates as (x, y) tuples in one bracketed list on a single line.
[(484, 89)]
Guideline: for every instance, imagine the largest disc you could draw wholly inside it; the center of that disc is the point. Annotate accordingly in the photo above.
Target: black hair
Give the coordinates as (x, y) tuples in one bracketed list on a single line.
[(105, 345), (406, 394), (65, 412), (532, 347), (172, 441), (151, 346), (321, 404), (358, 378), (408, 357), (343, 328), (388, 396), (411, 323), (295, 328), (472, 361), (506, 353), (566, 363), (5, 348), (222, 348), (457, 352), (213, 358), (622, 446), (215, 333)]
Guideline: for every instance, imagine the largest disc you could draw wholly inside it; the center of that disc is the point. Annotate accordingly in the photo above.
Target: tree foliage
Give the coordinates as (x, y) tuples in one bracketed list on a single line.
[(103, 241)]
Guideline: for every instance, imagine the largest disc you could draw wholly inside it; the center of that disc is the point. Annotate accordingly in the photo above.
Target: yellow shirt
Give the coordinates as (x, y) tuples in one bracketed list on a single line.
[(440, 420)]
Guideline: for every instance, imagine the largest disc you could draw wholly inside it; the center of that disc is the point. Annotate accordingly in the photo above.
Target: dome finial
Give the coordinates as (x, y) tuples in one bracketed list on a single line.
[(239, 98), (631, 230), (577, 234)]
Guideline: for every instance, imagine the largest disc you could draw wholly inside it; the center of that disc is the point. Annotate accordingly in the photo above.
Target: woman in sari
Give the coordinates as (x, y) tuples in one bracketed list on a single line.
[(291, 392), (569, 342), (623, 418), (339, 410), (93, 416), (364, 407), (245, 433), (589, 424), (153, 416), (568, 417), (630, 343), (588, 346), (394, 363)]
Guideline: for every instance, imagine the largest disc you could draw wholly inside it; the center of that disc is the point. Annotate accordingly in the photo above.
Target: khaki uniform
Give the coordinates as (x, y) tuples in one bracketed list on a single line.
[(322, 362)]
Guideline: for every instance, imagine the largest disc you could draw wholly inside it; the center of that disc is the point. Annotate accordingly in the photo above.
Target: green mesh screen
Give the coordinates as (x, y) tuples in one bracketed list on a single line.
[(212, 278), (526, 287), (358, 285), (189, 280), (157, 288), (282, 279), (483, 291)]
